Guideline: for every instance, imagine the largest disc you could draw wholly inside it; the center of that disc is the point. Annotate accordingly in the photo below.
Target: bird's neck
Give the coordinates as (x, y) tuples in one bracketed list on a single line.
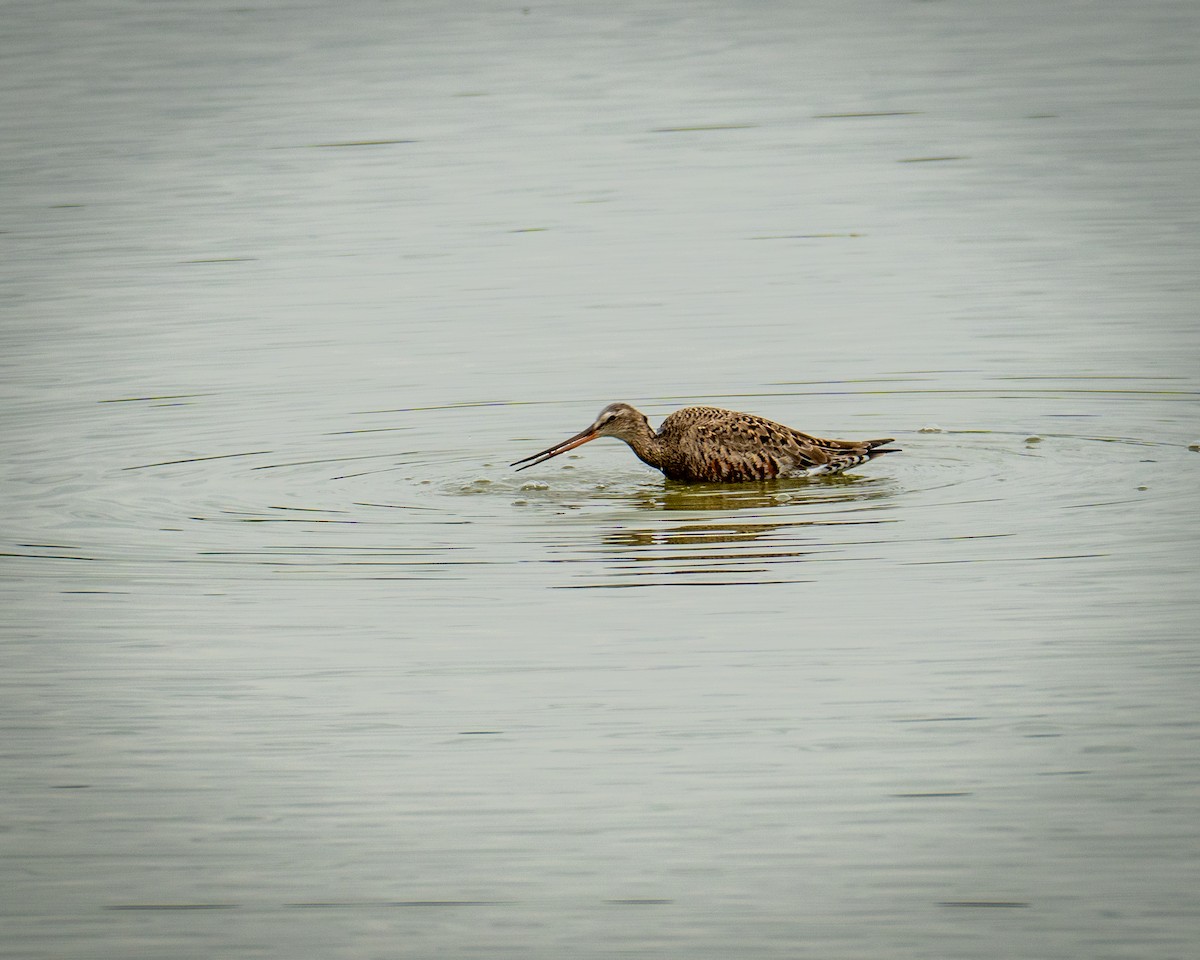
[(647, 447)]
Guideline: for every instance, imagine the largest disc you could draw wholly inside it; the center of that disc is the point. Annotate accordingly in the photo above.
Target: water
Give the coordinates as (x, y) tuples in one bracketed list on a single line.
[(294, 664)]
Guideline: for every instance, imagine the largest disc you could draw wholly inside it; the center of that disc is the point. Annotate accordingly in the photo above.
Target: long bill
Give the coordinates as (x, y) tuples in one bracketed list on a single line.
[(550, 452)]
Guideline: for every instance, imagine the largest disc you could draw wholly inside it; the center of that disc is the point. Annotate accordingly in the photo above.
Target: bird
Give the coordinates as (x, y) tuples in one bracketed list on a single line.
[(712, 445)]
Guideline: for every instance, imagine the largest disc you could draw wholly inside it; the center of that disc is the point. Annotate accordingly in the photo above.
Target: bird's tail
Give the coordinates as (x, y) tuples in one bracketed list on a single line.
[(876, 448)]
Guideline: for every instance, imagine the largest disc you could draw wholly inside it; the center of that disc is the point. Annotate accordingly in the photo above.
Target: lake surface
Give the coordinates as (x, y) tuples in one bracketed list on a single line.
[(294, 665)]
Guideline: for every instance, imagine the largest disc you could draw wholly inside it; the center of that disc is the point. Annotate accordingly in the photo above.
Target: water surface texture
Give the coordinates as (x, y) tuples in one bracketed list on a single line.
[(294, 665)]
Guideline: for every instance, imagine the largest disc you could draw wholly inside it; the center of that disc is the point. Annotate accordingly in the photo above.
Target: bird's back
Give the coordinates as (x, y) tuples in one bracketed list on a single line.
[(716, 445)]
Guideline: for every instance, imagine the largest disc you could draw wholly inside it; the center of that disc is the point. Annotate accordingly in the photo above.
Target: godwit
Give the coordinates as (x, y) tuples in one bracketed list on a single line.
[(711, 445)]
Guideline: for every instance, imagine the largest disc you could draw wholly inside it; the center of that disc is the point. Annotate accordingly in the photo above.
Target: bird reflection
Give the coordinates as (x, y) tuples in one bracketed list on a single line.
[(758, 544), (706, 497), (691, 535), (744, 551), (718, 533)]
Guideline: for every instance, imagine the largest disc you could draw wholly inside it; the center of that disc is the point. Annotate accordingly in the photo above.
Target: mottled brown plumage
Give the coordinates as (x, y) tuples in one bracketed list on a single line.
[(711, 445)]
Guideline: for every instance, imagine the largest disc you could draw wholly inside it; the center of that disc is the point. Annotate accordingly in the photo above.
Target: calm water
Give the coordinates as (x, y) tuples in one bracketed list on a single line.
[(294, 665)]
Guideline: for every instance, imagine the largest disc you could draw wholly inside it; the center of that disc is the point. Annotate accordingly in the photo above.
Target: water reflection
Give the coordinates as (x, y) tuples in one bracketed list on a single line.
[(750, 550), (711, 535), (841, 488), (691, 535)]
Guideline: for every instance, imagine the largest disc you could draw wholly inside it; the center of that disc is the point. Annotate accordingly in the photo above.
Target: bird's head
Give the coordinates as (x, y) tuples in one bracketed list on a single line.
[(618, 420)]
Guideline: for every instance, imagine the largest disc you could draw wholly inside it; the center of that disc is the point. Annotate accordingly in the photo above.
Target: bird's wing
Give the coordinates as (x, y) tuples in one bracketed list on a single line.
[(744, 444)]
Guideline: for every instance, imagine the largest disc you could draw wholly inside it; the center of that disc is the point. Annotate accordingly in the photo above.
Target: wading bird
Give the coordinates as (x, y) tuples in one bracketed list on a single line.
[(711, 445)]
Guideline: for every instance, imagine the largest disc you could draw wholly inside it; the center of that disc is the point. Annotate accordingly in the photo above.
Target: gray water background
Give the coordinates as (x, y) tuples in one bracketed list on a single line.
[(292, 663)]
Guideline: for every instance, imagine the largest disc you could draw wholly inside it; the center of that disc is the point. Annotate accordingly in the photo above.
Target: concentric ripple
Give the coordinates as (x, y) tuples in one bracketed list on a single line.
[(424, 493)]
